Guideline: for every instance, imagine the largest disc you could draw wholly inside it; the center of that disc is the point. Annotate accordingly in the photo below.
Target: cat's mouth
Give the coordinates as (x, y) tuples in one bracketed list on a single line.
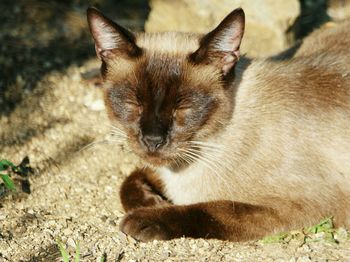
[(161, 159), (168, 155), (157, 159)]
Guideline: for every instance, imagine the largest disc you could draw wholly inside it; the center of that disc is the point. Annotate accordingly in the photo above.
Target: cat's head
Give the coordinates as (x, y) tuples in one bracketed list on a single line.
[(168, 92)]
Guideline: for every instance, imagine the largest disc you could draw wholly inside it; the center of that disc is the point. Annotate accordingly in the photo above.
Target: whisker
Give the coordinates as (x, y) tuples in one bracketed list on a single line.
[(118, 135), (184, 158), (177, 159), (204, 150), (209, 163), (196, 156), (116, 128), (205, 144), (118, 132), (213, 157), (92, 144)]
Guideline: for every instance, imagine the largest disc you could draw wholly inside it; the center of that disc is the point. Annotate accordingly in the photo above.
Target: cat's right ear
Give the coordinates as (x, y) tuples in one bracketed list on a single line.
[(109, 36), (221, 46)]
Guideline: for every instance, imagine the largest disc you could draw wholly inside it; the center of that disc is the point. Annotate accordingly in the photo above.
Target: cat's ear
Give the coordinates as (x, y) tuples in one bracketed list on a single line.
[(221, 46), (110, 36)]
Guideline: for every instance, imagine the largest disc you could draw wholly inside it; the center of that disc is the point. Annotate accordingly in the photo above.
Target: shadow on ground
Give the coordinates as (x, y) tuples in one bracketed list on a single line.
[(38, 37)]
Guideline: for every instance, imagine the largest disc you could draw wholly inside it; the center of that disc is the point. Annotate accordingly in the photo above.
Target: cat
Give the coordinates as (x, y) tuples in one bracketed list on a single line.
[(234, 148)]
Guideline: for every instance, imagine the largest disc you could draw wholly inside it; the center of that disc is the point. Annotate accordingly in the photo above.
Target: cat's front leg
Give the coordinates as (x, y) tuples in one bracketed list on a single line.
[(218, 219), (142, 189)]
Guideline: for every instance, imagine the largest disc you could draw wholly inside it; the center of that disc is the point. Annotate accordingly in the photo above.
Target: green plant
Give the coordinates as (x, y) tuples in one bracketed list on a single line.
[(65, 256), (64, 253), (5, 165), (22, 171), (275, 238), (325, 227)]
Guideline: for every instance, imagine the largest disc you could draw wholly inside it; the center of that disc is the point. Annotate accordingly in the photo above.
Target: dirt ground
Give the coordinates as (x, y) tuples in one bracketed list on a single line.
[(50, 113)]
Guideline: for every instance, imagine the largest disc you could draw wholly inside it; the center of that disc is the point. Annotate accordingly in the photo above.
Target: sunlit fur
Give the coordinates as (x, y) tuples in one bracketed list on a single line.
[(287, 143), (274, 144)]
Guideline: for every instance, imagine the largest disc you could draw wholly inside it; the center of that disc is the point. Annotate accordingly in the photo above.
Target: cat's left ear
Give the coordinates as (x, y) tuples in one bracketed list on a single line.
[(221, 46), (109, 36)]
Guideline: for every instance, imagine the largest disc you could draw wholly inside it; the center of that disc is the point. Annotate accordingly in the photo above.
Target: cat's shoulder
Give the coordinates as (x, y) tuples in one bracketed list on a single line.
[(331, 37)]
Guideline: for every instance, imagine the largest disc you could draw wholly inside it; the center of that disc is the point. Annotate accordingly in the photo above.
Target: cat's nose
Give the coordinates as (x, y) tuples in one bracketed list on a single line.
[(153, 142)]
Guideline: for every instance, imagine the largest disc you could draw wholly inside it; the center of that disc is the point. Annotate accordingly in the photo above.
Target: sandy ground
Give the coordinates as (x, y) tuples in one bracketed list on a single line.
[(74, 192), (51, 115)]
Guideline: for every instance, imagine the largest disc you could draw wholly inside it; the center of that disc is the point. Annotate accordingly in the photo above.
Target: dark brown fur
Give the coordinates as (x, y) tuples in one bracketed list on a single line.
[(142, 189), (219, 219)]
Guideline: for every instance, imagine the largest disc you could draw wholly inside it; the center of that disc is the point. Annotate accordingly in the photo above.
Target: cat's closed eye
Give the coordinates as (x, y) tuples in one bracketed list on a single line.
[(124, 103), (133, 106), (182, 111), (183, 107), (181, 114)]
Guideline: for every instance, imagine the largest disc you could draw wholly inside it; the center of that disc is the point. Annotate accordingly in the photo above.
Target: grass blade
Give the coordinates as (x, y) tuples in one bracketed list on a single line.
[(5, 164), (104, 257), (274, 239), (325, 225), (77, 253), (63, 251), (8, 182)]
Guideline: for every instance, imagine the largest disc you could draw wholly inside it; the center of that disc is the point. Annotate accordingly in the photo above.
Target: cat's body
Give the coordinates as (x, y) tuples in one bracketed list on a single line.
[(287, 115), (288, 142), (271, 153)]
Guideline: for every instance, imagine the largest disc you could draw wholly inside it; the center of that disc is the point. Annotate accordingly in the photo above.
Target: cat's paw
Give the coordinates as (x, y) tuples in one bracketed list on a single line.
[(145, 224), (141, 189)]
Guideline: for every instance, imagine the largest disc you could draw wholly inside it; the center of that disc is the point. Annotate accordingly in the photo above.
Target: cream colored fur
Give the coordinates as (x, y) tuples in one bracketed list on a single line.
[(287, 144)]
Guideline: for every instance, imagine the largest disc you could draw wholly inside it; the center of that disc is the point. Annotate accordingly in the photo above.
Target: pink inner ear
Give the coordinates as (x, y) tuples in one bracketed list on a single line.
[(229, 60), (103, 53), (105, 35), (98, 51)]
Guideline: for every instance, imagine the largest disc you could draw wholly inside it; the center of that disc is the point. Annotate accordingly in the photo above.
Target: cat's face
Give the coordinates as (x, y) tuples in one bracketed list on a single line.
[(163, 102), (167, 92)]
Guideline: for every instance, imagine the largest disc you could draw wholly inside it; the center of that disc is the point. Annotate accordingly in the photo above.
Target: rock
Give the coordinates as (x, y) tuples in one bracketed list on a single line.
[(266, 21), (71, 243), (67, 232), (303, 259), (341, 235)]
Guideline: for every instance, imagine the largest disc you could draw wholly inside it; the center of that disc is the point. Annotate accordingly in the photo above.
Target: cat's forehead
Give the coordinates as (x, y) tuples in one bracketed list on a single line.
[(168, 42), (164, 59)]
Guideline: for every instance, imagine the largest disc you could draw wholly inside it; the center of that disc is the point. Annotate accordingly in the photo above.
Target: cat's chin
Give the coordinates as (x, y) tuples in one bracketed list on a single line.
[(156, 160), (161, 161), (160, 158)]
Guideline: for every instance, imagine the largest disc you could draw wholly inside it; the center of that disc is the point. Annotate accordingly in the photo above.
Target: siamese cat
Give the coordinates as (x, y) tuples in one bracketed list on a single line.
[(235, 149)]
